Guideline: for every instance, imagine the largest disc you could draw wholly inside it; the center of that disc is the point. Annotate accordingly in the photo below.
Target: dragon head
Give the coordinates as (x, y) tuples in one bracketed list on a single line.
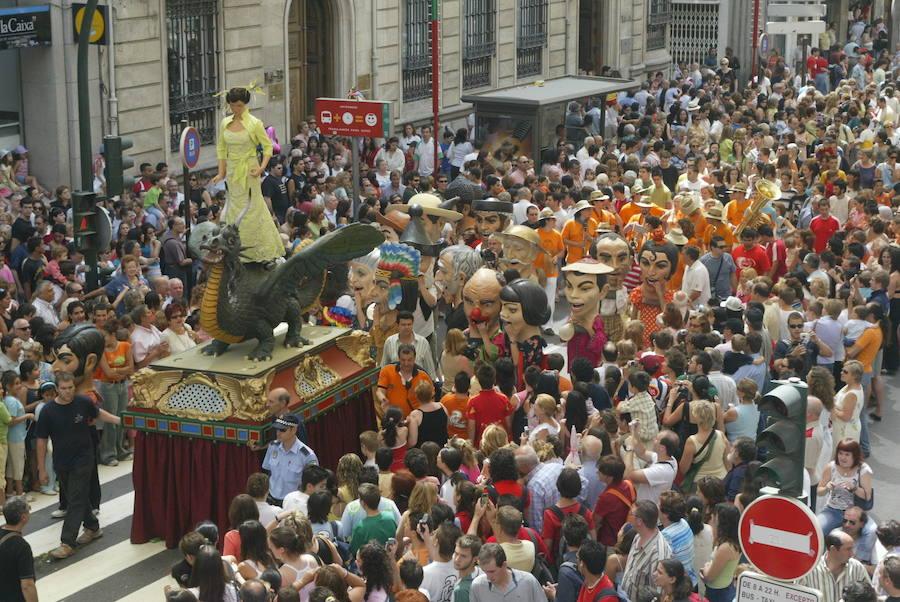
[(214, 244)]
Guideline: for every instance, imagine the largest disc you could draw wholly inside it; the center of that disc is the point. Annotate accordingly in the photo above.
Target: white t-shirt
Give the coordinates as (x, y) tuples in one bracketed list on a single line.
[(440, 577), (696, 278), (267, 512), (296, 500), (660, 476)]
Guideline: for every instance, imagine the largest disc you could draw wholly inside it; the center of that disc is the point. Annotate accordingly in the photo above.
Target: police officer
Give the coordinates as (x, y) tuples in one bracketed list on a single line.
[(286, 458)]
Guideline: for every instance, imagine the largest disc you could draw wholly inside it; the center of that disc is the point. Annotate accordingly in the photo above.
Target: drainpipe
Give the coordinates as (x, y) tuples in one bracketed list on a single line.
[(112, 101), (374, 47)]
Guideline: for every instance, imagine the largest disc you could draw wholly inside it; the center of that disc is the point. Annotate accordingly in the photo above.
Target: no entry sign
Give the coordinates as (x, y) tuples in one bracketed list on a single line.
[(781, 537), (345, 117)]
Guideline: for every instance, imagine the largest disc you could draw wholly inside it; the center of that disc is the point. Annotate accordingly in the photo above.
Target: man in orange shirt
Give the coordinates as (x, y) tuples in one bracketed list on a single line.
[(603, 212), (690, 209), (552, 244), (716, 226), (739, 203), (397, 382), (578, 233)]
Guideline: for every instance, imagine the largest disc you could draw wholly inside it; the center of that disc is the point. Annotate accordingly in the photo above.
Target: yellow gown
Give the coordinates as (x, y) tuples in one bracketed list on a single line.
[(238, 149)]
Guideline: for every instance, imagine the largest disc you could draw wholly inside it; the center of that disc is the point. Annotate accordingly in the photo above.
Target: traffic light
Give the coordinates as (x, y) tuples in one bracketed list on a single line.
[(784, 438), (116, 164), (84, 214)]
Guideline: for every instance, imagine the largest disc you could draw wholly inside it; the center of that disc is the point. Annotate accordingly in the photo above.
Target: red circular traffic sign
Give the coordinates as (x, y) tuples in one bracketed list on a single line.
[(190, 147), (781, 537)]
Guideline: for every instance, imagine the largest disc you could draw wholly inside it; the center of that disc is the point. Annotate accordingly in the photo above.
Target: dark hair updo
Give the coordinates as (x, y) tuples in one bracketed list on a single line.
[(237, 95)]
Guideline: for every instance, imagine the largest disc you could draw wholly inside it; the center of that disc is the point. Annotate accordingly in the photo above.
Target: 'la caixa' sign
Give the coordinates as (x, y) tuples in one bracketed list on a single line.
[(25, 27)]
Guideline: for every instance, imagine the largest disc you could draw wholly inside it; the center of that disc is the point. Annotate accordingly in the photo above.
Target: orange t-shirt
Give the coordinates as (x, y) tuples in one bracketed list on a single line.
[(398, 393), (116, 359), (575, 231), (720, 229), (734, 211), (868, 344), (456, 406), (552, 242)]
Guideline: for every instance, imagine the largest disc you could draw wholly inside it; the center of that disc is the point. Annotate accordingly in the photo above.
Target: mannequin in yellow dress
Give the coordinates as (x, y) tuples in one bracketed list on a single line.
[(239, 135)]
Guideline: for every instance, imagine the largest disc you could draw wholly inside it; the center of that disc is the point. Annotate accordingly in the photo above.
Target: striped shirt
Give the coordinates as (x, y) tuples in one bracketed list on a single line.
[(831, 586), (681, 539), (641, 564)]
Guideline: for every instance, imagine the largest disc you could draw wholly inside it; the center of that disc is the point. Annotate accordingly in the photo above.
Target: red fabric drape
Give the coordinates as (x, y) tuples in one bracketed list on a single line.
[(179, 481), (337, 433)]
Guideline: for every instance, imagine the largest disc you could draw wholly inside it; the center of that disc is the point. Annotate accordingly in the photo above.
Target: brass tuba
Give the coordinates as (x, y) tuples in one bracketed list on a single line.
[(764, 191)]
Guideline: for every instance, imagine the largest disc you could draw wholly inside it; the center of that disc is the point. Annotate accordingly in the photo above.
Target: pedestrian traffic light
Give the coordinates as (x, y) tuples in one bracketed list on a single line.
[(784, 438), (116, 164), (84, 216)]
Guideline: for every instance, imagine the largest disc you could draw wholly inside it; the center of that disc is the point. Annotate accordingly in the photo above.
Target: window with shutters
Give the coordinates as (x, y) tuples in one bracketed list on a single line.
[(192, 46)]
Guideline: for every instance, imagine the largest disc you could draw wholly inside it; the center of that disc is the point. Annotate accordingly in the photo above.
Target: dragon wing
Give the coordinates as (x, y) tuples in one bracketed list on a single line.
[(342, 245)]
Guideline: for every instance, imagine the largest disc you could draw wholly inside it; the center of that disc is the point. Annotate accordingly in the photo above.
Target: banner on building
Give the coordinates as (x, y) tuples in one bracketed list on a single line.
[(25, 27)]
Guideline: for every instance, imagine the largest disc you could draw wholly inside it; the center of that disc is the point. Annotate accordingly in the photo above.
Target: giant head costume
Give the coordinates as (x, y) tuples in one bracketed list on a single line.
[(586, 285), (521, 246), (78, 350), (523, 309), (491, 216), (396, 277), (436, 213), (362, 276), (455, 266), (613, 250), (481, 300), (658, 261)]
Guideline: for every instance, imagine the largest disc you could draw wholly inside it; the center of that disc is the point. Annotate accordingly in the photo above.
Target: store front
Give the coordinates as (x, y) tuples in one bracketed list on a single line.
[(21, 29)]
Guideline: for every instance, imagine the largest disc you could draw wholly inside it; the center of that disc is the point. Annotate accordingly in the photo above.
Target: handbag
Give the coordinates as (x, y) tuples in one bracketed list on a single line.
[(687, 483), (861, 502)]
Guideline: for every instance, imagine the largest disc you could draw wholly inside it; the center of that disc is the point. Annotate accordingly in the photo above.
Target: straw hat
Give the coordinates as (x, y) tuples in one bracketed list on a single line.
[(545, 214), (716, 212), (689, 204), (644, 202), (433, 206), (738, 187), (588, 266), (581, 206), (677, 237), (599, 195)]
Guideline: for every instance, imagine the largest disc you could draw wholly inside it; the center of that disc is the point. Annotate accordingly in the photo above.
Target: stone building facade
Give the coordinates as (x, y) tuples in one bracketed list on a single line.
[(170, 56)]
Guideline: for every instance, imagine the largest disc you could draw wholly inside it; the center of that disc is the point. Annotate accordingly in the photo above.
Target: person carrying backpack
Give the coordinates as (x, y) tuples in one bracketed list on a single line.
[(569, 581), (569, 485), (596, 587)]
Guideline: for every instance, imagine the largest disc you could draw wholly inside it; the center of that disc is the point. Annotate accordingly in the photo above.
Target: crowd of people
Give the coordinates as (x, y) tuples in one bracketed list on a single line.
[(712, 240)]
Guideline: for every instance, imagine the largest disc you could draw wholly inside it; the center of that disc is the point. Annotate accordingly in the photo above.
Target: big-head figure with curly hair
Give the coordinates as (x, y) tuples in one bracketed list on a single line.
[(658, 260)]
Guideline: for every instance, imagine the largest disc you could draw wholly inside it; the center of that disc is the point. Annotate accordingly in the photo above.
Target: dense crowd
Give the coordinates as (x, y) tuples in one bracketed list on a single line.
[(747, 235)]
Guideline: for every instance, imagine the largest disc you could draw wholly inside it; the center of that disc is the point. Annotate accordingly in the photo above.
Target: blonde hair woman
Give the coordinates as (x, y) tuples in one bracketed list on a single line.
[(348, 469), (848, 403), (452, 359), (423, 497), (545, 410), (493, 438), (704, 453)]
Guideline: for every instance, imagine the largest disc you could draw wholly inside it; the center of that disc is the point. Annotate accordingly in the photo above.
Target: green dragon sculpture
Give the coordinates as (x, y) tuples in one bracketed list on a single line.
[(247, 301)]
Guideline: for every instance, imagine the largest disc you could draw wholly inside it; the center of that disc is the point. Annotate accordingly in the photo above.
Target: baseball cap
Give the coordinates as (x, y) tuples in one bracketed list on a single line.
[(285, 422)]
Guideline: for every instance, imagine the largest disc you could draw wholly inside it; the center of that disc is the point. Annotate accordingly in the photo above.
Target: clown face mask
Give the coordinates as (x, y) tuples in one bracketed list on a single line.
[(481, 299)]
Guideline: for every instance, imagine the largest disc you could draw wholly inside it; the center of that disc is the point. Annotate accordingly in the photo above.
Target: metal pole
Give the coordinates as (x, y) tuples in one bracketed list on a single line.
[(186, 177), (92, 278), (754, 40), (435, 77), (354, 163)]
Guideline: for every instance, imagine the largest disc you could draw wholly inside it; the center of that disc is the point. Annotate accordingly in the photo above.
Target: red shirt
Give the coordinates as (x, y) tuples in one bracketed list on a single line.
[(552, 529), (824, 228), (777, 252), (587, 595), (611, 512), (486, 408), (755, 258)]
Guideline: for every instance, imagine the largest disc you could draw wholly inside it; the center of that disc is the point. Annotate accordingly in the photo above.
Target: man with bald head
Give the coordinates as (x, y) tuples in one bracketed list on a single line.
[(481, 302), (836, 569), (591, 451)]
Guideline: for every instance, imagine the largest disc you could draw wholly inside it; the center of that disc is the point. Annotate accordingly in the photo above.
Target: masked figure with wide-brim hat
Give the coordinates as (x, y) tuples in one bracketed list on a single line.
[(585, 334)]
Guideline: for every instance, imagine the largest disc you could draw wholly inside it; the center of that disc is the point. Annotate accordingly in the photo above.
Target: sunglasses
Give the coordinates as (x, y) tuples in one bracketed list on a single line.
[(795, 325)]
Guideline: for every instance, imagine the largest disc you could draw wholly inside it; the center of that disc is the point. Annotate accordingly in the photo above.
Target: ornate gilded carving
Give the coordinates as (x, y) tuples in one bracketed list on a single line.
[(357, 345), (247, 396), (196, 378), (150, 386), (312, 376)]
